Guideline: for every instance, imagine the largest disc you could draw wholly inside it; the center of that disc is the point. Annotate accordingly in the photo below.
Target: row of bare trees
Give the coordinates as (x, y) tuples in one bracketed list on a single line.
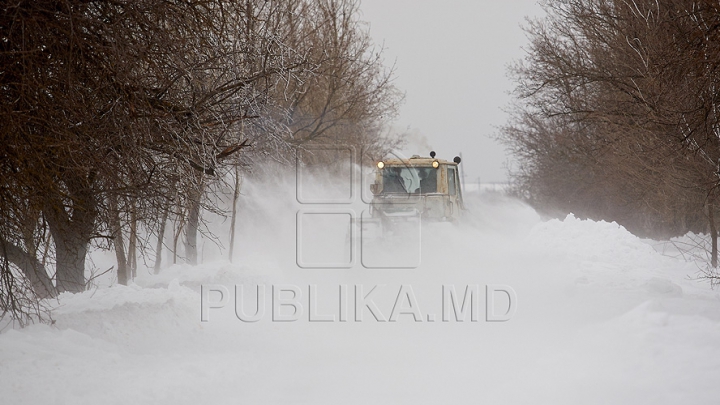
[(617, 114), (119, 117)]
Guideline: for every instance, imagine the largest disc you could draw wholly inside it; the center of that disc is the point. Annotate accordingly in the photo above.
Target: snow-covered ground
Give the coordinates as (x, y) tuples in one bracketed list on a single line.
[(601, 317)]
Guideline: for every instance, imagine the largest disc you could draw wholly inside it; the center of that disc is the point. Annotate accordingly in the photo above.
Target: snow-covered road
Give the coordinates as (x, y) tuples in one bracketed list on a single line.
[(601, 318)]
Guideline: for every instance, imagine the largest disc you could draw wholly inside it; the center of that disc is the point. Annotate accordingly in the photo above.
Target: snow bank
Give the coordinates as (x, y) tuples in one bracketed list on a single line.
[(606, 254), (591, 240), (130, 316)]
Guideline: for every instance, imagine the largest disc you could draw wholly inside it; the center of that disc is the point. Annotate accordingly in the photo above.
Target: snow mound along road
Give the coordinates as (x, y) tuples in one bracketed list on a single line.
[(605, 254), (131, 316), (591, 240)]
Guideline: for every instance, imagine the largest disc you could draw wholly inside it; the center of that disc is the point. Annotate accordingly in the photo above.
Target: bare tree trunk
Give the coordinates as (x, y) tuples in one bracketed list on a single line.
[(26, 259), (713, 235), (236, 195), (191, 231), (70, 254), (122, 269), (193, 222), (178, 232), (71, 233), (46, 251), (33, 270), (161, 239), (132, 244)]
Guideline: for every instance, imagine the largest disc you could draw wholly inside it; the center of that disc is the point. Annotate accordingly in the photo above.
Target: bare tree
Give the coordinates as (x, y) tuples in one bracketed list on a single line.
[(117, 116), (113, 102), (617, 112)]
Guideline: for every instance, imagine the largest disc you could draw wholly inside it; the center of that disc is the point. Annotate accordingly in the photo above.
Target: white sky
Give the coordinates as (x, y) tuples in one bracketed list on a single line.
[(451, 60)]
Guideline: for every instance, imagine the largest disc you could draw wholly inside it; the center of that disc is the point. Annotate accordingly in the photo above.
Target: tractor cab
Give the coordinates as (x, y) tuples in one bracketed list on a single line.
[(423, 187)]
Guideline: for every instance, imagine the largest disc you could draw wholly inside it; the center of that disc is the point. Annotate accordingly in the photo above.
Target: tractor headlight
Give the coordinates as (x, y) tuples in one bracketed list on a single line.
[(380, 165), (435, 164)]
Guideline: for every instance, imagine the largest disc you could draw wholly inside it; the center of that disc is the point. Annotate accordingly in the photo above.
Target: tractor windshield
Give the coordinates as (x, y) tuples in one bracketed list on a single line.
[(412, 180)]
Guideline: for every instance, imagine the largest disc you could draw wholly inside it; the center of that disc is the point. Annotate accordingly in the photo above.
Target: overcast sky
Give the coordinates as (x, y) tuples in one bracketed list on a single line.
[(451, 61)]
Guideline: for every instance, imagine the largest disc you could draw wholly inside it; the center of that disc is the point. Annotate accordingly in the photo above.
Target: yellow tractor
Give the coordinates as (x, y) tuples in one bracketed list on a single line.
[(420, 187)]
